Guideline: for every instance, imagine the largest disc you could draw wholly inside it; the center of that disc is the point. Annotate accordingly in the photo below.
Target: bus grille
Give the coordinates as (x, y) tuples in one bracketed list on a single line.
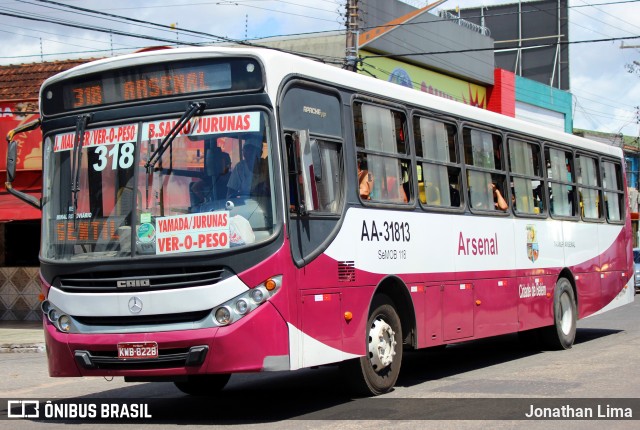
[(144, 319), (135, 281)]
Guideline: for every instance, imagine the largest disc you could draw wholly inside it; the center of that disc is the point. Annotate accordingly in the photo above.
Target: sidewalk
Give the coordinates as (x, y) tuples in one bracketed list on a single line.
[(21, 336)]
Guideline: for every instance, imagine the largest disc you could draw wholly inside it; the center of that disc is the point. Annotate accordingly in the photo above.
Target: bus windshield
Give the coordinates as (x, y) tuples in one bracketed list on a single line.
[(154, 188)]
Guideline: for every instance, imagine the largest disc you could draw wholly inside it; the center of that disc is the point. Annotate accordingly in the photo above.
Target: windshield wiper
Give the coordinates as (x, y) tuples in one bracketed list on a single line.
[(78, 142), (194, 108)]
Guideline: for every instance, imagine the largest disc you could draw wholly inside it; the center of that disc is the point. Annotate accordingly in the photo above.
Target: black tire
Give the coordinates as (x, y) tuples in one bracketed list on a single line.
[(562, 333), (203, 385), (377, 372)]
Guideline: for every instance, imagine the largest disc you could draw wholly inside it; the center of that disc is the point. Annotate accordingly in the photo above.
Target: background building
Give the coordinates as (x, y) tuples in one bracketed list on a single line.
[(19, 222), (450, 55)]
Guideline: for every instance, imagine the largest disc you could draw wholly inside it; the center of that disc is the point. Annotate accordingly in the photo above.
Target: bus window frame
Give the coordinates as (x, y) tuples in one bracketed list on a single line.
[(408, 156), (529, 140), (420, 161), (623, 207), (315, 213), (341, 140), (470, 167), (548, 181), (598, 188)]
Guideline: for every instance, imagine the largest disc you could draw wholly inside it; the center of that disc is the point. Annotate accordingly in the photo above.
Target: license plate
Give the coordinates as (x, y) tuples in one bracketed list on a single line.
[(136, 350)]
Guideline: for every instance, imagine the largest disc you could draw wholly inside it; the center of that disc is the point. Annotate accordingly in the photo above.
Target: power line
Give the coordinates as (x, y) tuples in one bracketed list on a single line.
[(93, 28), (155, 38), (460, 51), (138, 21)]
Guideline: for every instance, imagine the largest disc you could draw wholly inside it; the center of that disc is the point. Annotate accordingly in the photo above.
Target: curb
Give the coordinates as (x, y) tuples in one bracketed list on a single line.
[(22, 348)]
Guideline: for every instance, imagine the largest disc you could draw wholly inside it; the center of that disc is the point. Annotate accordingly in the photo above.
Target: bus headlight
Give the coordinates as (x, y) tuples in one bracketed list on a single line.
[(242, 305), (46, 307), (223, 315), (257, 295), (53, 315), (64, 323)]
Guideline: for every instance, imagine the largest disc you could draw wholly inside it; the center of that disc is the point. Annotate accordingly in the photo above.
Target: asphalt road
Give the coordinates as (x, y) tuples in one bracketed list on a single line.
[(497, 379)]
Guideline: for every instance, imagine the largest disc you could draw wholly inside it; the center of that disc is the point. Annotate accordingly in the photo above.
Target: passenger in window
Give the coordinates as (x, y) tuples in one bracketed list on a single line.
[(499, 201), (454, 194), (481, 200), (241, 178), (365, 179), (395, 191)]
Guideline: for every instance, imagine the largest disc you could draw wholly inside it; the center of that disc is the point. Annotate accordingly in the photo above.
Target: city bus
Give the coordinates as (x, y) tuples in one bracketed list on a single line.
[(211, 211)]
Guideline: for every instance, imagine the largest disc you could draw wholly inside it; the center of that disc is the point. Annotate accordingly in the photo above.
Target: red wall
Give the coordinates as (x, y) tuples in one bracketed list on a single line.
[(502, 97)]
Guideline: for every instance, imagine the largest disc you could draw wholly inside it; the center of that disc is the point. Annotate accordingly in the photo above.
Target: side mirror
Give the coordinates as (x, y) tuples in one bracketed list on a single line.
[(12, 160), (12, 157)]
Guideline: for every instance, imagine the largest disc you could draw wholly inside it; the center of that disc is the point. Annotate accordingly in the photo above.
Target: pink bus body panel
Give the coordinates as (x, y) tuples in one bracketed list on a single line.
[(448, 307)]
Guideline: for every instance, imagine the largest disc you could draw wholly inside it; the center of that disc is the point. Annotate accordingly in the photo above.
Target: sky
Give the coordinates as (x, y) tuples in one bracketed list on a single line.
[(605, 95)]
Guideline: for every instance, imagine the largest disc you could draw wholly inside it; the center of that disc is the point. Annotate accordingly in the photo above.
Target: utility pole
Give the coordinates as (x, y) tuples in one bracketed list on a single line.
[(352, 36), (633, 67)]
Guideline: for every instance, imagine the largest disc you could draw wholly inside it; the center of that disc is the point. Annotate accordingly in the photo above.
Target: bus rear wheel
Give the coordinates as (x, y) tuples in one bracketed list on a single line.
[(562, 333), (203, 385), (377, 372)]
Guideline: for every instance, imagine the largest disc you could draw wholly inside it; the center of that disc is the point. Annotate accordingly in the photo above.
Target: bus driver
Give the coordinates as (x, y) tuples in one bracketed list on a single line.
[(241, 179)]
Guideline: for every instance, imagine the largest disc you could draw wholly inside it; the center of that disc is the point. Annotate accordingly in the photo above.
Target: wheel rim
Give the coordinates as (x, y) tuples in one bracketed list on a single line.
[(382, 345), (566, 314)]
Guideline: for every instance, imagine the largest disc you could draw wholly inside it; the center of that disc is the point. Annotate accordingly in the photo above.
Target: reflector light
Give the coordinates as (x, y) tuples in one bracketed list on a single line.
[(270, 284)]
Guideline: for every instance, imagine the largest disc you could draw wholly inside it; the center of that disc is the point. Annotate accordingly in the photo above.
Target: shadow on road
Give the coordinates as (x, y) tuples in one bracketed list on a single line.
[(316, 393)]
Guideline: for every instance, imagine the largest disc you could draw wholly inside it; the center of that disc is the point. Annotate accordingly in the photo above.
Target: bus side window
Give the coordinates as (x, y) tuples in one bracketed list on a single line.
[(613, 191), (562, 191), (486, 174), (439, 172), (526, 177), (438, 169), (315, 174), (588, 193), (382, 130)]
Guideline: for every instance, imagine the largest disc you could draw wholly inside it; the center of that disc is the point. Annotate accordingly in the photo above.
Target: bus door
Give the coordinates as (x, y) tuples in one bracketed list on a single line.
[(312, 124)]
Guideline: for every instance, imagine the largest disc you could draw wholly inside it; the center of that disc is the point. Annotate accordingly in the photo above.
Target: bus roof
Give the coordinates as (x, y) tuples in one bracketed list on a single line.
[(280, 65)]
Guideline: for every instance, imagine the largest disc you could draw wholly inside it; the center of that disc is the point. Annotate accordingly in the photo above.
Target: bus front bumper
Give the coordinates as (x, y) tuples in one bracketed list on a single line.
[(251, 344)]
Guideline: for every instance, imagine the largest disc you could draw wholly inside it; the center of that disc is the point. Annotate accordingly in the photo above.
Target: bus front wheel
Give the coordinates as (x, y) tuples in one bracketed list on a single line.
[(562, 333), (203, 385), (377, 372)]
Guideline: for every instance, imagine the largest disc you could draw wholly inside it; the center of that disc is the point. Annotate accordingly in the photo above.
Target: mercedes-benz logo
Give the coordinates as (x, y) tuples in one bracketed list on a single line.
[(135, 305)]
